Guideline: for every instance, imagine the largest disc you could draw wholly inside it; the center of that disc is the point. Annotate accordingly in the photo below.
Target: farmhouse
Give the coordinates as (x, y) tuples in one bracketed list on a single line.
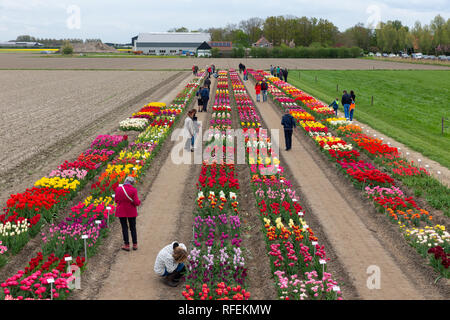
[(170, 43)]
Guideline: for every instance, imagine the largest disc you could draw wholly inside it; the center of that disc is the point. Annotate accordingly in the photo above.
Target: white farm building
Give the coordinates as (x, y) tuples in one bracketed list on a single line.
[(170, 43)]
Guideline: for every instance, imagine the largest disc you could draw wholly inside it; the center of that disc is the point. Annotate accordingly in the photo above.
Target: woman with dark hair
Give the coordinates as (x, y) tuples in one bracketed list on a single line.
[(352, 105), (127, 200), (170, 262)]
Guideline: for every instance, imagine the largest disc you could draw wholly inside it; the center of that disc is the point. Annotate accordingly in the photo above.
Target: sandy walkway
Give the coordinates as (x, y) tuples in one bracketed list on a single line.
[(353, 242), (131, 275)]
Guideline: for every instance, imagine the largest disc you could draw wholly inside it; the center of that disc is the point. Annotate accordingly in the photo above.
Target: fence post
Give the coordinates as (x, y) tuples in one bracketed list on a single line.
[(371, 102)]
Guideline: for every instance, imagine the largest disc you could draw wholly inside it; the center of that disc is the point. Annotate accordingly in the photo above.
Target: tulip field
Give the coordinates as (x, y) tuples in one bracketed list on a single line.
[(253, 230)]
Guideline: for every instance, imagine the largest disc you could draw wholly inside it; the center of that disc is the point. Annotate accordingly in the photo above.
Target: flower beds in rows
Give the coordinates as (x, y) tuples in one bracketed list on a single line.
[(216, 267), (26, 212), (80, 233), (379, 186), (298, 262)]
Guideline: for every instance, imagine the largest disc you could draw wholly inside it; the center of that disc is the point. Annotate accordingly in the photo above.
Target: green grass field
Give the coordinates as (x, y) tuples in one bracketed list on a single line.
[(408, 104)]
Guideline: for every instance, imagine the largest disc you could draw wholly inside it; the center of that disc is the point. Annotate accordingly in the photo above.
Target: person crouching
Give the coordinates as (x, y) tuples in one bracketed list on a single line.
[(169, 263)]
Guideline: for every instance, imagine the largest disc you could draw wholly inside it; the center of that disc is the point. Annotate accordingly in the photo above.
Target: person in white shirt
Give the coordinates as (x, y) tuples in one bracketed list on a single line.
[(189, 130), (170, 261)]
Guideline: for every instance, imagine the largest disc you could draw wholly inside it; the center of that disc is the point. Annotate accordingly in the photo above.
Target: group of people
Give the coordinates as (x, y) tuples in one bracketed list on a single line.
[(243, 69), (169, 263), (348, 100), (279, 72), (261, 88)]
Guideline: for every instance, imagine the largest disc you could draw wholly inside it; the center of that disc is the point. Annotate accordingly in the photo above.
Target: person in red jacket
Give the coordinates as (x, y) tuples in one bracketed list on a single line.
[(258, 90), (127, 200)]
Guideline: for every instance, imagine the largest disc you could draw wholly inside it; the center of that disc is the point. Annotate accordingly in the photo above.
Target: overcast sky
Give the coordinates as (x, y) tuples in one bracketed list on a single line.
[(119, 20)]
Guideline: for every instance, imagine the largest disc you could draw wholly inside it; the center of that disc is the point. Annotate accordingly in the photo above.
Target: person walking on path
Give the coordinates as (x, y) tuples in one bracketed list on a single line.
[(285, 74), (127, 200), (346, 102), (352, 105), (288, 123), (169, 263), (258, 91), (241, 67), (193, 70), (277, 71), (271, 70), (196, 127), (209, 72), (245, 75), (213, 69), (189, 131), (204, 93), (264, 88), (335, 106), (199, 100), (208, 83)]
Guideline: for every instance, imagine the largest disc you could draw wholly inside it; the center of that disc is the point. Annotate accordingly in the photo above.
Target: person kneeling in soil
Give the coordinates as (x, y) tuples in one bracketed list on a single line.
[(169, 263), (127, 200)]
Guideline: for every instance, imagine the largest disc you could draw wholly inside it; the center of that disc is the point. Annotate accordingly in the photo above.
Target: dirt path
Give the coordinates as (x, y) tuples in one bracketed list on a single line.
[(354, 243), (165, 216)]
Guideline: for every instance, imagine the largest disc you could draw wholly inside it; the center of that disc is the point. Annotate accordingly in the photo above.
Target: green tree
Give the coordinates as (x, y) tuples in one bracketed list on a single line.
[(67, 48)]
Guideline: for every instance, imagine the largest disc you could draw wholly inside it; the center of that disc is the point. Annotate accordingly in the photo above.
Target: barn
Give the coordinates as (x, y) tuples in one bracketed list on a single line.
[(170, 43)]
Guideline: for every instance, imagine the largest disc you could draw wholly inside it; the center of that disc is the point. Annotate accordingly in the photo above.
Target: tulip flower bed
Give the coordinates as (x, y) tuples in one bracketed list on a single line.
[(3, 250), (134, 124), (298, 262), (216, 266), (395, 205), (32, 282), (90, 218), (25, 212)]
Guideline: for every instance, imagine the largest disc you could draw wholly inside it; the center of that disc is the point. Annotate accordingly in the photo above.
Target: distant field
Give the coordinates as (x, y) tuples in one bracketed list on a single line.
[(410, 60), (408, 104)]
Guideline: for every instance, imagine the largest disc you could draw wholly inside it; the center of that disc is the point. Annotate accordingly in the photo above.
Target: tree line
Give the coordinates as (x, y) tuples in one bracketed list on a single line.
[(53, 42), (291, 31)]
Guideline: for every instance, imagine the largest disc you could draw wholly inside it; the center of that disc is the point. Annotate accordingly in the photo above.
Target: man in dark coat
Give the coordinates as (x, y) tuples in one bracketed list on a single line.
[(346, 102), (285, 74), (208, 83), (288, 123), (204, 93)]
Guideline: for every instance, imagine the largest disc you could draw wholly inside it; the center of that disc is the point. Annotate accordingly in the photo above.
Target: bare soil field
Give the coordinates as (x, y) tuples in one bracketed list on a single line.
[(36, 61), (51, 116)]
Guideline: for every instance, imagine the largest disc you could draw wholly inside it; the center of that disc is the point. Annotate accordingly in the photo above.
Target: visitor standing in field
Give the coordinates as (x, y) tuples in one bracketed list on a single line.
[(352, 105), (288, 123), (189, 131), (170, 262), (258, 91), (285, 74), (346, 102), (208, 83), (199, 101), (271, 69), (245, 75), (241, 67), (277, 71), (335, 106), (205, 98), (127, 200), (193, 70), (264, 88), (209, 71)]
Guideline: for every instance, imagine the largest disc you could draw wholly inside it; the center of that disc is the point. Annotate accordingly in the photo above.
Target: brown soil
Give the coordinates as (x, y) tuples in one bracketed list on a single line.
[(359, 237), (36, 61), (93, 47), (65, 124)]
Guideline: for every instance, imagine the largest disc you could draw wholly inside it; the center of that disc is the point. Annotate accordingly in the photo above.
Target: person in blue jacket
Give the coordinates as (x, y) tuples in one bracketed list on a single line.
[(204, 93), (288, 122), (346, 102), (335, 106)]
